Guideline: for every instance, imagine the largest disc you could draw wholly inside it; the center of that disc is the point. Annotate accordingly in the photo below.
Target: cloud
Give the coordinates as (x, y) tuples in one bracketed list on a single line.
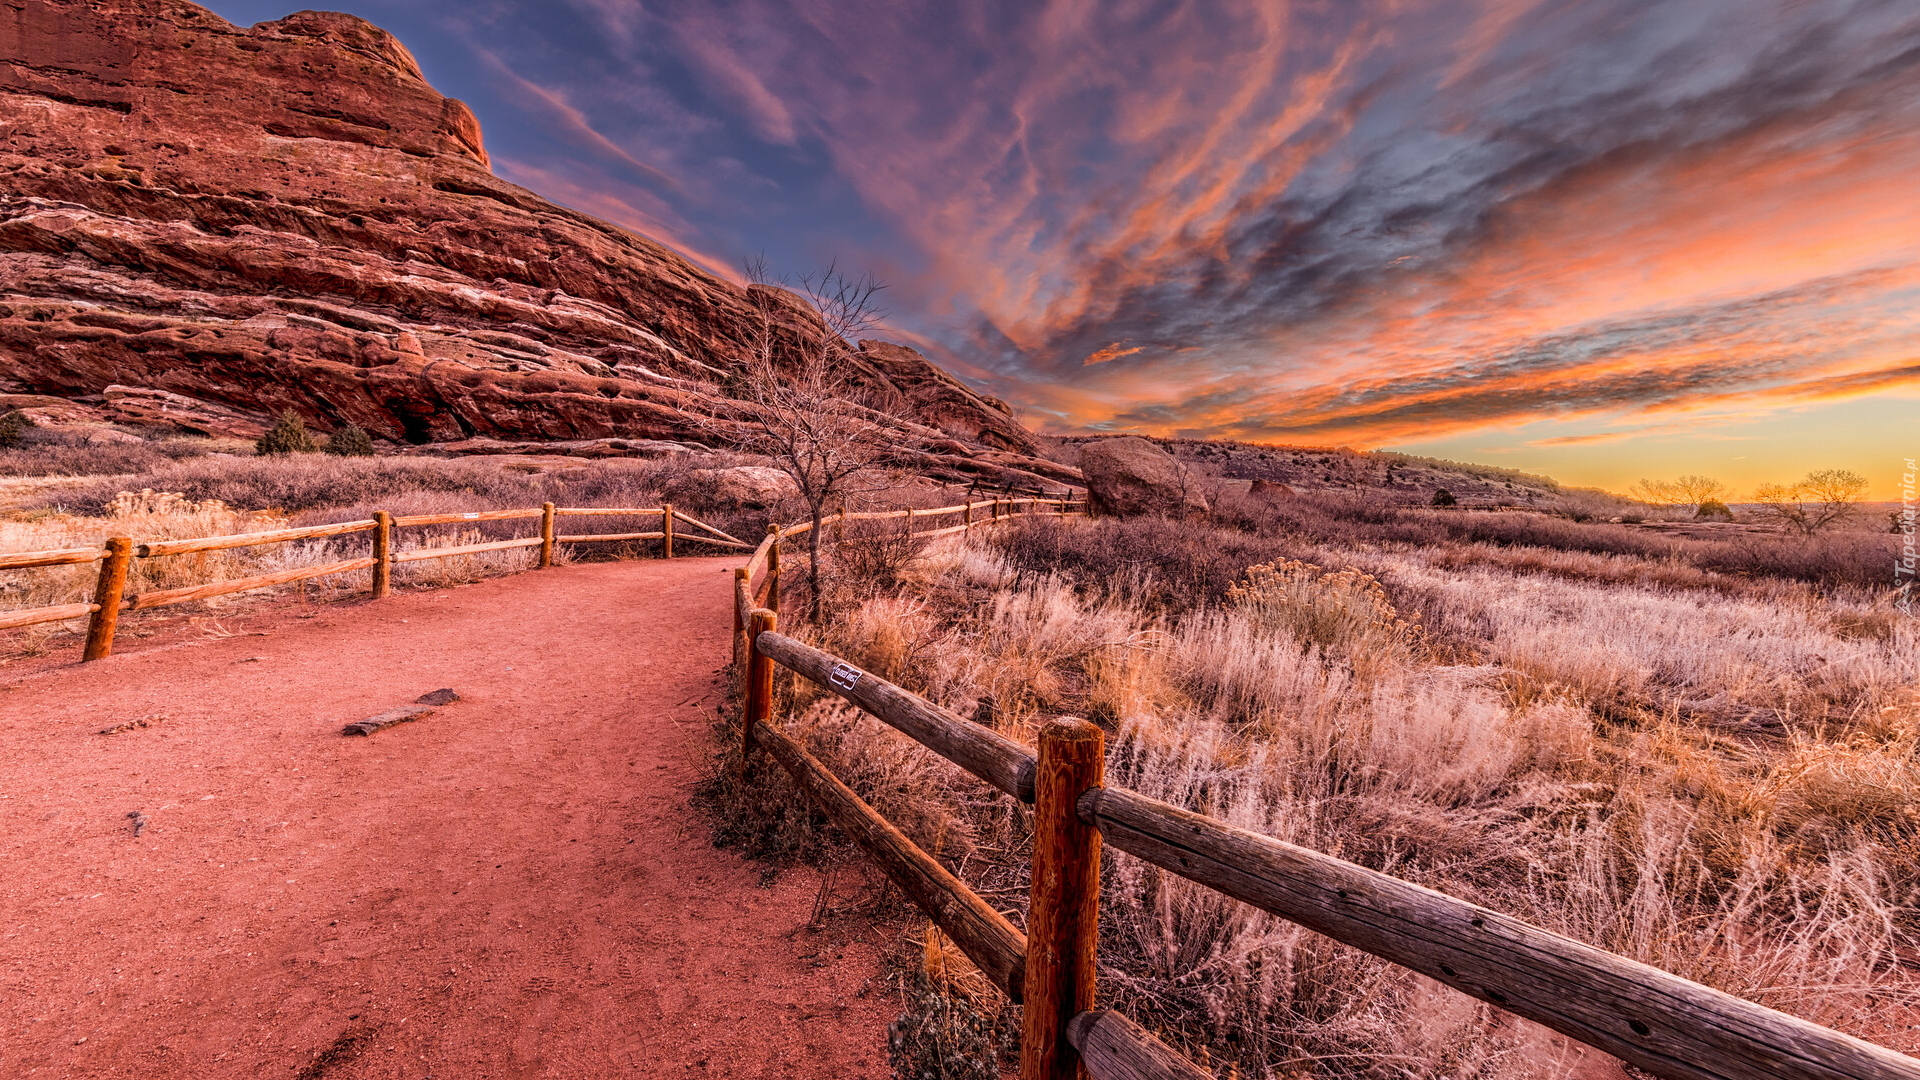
[(1367, 221), (1112, 352), (553, 105)]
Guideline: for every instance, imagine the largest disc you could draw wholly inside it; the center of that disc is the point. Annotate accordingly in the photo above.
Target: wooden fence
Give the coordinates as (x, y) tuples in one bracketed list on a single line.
[(1657, 1021), (116, 556)]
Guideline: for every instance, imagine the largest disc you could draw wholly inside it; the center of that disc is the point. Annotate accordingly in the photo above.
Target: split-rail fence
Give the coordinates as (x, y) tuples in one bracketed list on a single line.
[(1649, 1018), (117, 554)]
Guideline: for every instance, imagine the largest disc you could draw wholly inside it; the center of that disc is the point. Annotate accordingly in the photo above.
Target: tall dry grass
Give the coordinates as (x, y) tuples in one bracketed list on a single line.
[(1723, 782)]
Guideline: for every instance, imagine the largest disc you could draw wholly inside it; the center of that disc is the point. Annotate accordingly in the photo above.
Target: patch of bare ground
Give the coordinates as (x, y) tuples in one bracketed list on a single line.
[(514, 886)]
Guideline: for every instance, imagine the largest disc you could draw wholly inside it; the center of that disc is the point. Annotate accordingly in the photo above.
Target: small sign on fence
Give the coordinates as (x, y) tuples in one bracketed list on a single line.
[(844, 676)]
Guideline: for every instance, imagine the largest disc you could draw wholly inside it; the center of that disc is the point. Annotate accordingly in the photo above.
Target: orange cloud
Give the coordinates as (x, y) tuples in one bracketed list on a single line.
[(1112, 352)]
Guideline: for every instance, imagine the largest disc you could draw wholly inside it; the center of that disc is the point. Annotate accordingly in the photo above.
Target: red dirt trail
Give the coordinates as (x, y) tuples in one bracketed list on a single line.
[(514, 886)]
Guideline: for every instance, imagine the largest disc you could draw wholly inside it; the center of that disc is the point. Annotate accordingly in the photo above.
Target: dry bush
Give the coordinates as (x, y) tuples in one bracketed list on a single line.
[(56, 452)]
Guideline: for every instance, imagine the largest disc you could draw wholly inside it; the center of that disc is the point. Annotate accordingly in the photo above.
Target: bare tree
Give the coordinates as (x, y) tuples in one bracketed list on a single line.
[(1686, 494), (1824, 497), (1697, 491), (818, 425), (1661, 494)]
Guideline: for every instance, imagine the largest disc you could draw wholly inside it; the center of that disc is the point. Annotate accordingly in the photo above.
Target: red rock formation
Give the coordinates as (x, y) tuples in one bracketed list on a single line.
[(289, 216)]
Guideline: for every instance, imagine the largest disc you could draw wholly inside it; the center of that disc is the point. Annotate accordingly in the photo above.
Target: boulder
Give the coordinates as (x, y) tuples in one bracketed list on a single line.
[(1130, 475), (752, 486)]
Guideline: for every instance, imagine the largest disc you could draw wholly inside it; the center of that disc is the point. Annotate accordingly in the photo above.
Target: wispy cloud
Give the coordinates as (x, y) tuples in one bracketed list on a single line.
[(1361, 222)]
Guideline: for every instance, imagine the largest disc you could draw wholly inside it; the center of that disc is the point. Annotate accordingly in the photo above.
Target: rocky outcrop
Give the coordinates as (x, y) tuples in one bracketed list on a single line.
[(743, 485), (290, 217), (1128, 476)]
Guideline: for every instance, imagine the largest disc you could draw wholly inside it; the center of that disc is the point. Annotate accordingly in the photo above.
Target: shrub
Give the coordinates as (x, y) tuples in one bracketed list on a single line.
[(288, 435), (13, 429), (944, 1035), (1443, 497), (1713, 510), (350, 441), (1346, 613)]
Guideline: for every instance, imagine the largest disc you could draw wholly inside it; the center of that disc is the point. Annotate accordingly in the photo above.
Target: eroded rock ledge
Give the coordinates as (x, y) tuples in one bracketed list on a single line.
[(290, 217)]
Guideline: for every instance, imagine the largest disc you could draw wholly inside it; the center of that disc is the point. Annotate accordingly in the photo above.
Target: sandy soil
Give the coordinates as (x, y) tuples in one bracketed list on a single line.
[(512, 887)]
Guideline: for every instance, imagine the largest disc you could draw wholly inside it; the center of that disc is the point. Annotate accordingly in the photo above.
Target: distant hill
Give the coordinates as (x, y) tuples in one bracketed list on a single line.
[(1403, 477)]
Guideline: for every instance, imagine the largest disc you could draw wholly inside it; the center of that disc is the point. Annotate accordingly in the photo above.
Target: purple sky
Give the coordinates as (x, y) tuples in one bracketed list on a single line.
[(1602, 238)]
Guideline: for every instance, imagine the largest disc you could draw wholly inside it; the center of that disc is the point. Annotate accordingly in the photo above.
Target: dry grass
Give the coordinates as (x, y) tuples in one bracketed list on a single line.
[(1718, 780)]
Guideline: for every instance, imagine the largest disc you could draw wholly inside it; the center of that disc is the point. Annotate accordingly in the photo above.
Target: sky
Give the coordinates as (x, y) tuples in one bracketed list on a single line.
[(1598, 239)]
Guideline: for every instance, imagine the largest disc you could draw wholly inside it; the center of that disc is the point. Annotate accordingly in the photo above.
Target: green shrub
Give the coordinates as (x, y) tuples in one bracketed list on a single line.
[(13, 429), (288, 435), (1443, 497), (350, 441), (1713, 510)]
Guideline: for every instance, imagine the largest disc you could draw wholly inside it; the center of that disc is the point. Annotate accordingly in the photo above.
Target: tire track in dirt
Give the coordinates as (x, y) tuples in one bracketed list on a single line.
[(513, 887)]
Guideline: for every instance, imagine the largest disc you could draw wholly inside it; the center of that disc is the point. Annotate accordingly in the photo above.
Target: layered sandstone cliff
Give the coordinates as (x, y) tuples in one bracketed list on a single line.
[(290, 217)]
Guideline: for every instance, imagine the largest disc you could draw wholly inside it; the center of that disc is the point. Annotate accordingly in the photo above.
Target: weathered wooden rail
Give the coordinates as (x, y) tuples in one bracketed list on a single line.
[(1649, 1018), (117, 554)]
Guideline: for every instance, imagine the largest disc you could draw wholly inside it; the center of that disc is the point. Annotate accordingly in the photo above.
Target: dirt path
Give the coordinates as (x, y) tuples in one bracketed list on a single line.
[(513, 887)]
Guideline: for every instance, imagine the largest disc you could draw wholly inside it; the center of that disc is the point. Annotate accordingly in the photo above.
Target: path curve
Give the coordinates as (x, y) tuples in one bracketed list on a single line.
[(513, 887)]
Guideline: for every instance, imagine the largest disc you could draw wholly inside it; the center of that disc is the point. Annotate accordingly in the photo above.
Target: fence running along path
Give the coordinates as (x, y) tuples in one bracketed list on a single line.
[(116, 556), (1649, 1018)]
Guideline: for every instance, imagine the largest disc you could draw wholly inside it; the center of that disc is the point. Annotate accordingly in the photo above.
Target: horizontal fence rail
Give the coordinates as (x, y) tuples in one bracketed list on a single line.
[(985, 935), (34, 616), (1116, 1048), (158, 548), (1652, 1019), (981, 751), (222, 588), (1649, 1018), (22, 560)]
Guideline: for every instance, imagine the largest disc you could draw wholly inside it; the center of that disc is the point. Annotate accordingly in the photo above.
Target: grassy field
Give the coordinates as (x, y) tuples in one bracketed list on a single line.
[(1700, 753)]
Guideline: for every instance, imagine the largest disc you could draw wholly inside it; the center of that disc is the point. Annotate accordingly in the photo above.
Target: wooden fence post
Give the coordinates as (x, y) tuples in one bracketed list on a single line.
[(106, 593), (1063, 916), (546, 535), (967, 518), (741, 588), (773, 571), (758, 707), (382, 554), (666, 531)]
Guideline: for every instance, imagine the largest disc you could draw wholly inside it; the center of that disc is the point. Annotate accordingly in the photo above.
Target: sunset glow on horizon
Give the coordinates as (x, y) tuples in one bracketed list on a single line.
[(1596, 238)]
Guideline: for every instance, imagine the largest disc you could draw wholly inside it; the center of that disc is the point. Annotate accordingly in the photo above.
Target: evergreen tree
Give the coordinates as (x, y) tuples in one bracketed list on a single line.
[(288, 435), (13, 429), (350, 441), (1443, 497)]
